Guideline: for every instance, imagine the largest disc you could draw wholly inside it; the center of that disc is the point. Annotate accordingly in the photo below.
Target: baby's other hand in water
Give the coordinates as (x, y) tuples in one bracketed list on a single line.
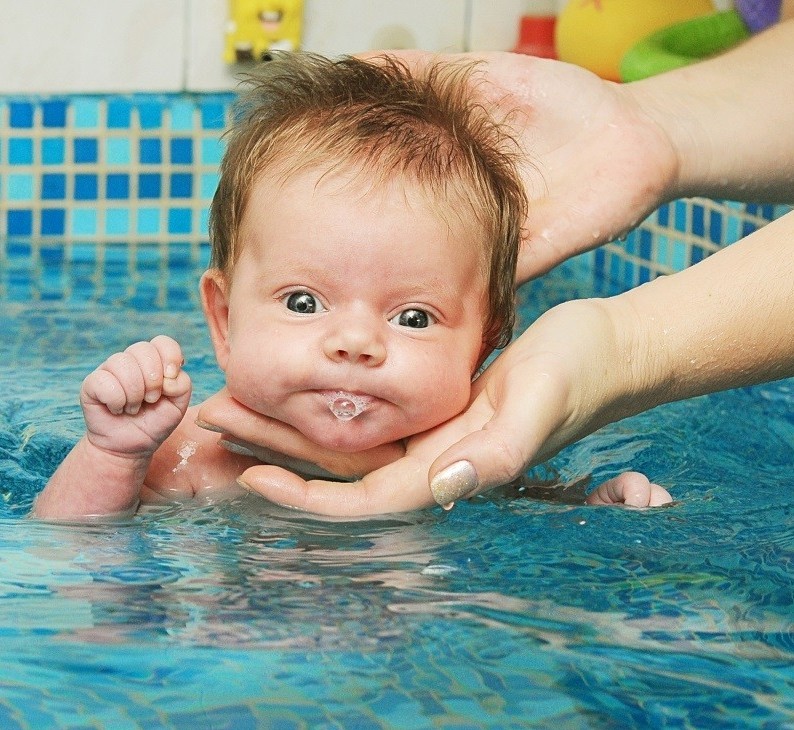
[(632, 489), (136, 398)]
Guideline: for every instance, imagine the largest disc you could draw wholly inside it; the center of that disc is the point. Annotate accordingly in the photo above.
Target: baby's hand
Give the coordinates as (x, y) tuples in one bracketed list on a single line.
[(632, 489), (136, 398)]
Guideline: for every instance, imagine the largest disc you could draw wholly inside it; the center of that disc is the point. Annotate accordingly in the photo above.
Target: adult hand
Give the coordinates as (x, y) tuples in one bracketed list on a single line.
[(274, 442), (595, 162), (543, 392)]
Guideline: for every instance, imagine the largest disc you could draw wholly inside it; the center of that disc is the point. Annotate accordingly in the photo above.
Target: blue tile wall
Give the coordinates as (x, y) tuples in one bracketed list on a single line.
[(132, 169), (107, 197)]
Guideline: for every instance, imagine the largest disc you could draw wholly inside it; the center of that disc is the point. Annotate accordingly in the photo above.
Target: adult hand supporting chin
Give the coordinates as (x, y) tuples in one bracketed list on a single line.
[(277, 443), (544, 391)]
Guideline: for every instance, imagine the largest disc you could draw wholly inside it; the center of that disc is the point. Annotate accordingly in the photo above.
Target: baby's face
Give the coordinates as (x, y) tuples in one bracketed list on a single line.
[(347, 300)]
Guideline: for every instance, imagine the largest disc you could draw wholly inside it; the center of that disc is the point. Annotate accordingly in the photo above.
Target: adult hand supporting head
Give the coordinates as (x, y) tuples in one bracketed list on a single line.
[(595, 163), (546, 390)]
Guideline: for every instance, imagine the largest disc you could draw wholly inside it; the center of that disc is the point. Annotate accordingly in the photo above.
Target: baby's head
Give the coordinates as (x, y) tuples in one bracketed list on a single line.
[(379, 208), (388, 121)]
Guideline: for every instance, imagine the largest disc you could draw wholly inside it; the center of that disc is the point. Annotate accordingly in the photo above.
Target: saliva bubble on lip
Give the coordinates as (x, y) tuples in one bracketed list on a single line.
[(346, 406)]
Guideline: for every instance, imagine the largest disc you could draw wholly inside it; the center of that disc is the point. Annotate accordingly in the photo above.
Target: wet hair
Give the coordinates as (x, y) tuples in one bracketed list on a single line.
[(387, 120)]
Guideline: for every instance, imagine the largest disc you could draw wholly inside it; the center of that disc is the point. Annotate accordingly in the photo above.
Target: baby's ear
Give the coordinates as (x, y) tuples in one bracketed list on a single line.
[(215, 302)]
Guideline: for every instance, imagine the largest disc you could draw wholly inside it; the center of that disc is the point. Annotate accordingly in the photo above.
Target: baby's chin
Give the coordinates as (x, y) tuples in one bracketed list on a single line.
[(354, 435)]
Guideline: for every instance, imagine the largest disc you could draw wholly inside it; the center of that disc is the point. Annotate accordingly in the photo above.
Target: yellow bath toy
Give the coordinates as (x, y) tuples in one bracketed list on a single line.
[(258, 26), (597, 33)]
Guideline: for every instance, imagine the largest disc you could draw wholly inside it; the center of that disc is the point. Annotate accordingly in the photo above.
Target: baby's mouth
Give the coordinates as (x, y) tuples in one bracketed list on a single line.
[(346, 406)]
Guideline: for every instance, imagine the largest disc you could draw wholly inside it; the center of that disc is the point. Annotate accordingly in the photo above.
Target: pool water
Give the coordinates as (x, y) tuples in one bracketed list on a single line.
[(523, 609)]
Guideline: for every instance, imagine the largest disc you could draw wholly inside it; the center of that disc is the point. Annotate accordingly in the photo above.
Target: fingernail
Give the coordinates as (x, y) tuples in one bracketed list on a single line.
[(171, 371), (245, 486), (208, 426), (454, 482), (235, 448)]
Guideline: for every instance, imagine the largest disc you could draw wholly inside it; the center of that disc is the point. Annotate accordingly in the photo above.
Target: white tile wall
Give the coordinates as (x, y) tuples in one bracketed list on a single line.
[(73, 46), (334, 27), (91, 45), (330, 27)]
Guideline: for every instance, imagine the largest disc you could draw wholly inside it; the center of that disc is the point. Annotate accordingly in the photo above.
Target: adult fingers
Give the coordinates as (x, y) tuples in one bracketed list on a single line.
[(524, 416), (249, 429), (398, 487)]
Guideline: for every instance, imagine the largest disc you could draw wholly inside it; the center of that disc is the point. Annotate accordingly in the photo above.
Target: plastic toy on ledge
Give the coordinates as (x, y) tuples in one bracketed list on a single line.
[(627, 40), (256, 27)]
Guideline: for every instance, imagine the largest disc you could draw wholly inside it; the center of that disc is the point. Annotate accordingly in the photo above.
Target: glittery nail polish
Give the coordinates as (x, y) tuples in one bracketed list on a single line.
[(456, 481)]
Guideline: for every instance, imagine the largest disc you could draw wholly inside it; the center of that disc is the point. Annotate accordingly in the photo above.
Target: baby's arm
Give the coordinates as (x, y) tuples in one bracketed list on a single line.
[(131, 404), (632, 489)]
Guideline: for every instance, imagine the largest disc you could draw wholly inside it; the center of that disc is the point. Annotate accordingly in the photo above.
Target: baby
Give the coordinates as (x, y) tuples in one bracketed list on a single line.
[(365, 233)]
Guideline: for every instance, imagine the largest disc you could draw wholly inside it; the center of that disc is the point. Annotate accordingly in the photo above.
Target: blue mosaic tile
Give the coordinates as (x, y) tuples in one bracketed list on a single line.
[(54, 113), (149, 185), (86, 113), (19, 222), (117, 222), (181, 151), (119, 113), (680, 213), (680, 255), (182, 115), (53, 186), (53, 151), (181, 186), (85, 149), (20, 187), (86, 187), (84, 222), (698, 254), (213, 115), (663, 253), (209, 183), (150, 114), (52, 254), (150, 152), (20, 151), (20, 115), (117, 186), (148, 220), (179, 220), (117, 151), (715, 227), (53, 221), (698, 227), (204, 222), (646, 244)]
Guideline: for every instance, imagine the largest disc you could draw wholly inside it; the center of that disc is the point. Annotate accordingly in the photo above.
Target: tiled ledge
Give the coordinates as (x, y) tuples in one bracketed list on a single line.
[(98, 189)]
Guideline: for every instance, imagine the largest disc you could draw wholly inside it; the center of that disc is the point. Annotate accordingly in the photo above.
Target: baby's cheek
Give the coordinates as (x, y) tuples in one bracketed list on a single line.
[(445, 395)]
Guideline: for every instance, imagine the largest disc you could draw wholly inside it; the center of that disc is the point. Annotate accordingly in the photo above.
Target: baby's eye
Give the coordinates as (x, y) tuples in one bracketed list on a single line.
[(414, 318), (303, 303)]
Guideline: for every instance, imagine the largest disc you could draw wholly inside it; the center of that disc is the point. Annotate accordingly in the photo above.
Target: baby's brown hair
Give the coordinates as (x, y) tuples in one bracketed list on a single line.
[(423, 124)]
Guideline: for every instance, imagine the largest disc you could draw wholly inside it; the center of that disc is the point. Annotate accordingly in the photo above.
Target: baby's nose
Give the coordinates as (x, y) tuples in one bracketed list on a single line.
[(356, 344)]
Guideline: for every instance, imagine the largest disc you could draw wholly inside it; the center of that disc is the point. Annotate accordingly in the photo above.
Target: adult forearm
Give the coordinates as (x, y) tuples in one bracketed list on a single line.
[(730, 119), (724, 323)]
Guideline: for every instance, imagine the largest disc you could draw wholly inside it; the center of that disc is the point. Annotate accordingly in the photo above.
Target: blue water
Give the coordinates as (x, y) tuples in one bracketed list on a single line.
[(520, 610)]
